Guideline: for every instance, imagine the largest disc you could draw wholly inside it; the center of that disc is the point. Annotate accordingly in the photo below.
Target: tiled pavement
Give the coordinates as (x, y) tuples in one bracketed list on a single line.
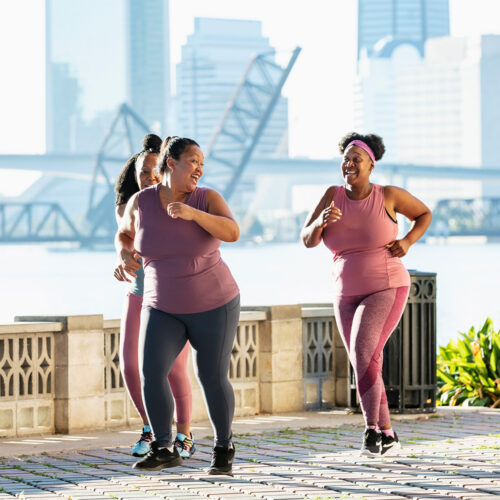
[(445, 455)]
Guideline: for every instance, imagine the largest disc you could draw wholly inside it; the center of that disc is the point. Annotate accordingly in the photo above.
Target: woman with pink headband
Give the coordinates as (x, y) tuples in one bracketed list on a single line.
[(357, 222)]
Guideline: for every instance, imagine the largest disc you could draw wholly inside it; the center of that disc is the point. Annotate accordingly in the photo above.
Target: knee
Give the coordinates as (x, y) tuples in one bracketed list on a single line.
[(179, 377), (210, 376)]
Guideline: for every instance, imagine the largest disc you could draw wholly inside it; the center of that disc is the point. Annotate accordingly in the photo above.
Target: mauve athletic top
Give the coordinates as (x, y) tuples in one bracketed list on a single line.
[(184, 272), (361, 262)]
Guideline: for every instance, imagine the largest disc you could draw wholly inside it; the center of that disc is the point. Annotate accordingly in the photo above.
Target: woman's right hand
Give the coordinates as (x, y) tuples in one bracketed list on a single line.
[(129, 262), (329, 214), (119, 273)]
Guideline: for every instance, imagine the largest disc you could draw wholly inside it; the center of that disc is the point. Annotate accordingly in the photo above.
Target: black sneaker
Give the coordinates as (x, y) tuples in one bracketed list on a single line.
[(371, 443), (222, 461), (158, 459), (390, 444)]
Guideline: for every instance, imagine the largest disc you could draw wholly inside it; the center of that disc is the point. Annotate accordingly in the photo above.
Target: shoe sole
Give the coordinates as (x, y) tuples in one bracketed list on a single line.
[(368, 453), (139, 454), (173, 463), (391, 450), (215, 472)]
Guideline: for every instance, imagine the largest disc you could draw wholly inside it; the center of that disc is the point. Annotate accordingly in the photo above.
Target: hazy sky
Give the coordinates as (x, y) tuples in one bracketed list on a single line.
[(319, 88)]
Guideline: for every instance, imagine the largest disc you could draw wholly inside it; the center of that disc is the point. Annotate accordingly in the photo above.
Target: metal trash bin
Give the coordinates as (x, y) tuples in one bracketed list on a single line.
[(409, 369)]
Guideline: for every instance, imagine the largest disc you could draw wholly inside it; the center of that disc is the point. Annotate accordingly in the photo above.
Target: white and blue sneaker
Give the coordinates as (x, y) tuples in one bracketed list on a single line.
[(185, 445), (143, 446)]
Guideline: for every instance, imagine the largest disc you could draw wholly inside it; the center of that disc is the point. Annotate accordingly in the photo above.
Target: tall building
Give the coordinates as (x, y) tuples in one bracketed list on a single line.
[(448, 105), (64, 114), (439, 110), (213, 63), (148, 61), (407, 20), (90, 52)]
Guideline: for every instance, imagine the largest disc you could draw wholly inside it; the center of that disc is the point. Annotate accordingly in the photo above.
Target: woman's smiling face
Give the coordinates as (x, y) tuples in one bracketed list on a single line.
[(356, 166), (188, 169)]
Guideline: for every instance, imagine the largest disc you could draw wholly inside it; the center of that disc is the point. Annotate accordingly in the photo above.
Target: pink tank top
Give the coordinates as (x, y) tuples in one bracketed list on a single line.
[(183, 269), (361, 262)]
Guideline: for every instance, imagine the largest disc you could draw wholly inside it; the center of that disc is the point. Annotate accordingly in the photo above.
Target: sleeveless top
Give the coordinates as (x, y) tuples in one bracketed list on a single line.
[(183, 269), (137, 284), (361, 262)]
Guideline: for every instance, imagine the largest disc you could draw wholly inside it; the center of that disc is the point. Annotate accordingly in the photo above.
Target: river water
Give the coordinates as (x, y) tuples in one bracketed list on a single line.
[(43, 280)]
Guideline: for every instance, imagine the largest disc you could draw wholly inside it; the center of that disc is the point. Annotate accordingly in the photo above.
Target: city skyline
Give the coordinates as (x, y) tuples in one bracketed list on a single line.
[(327, 105)]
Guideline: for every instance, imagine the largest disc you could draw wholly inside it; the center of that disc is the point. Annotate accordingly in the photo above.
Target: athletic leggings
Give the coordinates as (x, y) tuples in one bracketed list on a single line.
[(129, 363), (365, 323), (163, 336)]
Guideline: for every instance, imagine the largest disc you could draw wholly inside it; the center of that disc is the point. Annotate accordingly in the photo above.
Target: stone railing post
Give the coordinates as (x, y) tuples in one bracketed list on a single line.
[(78, 372), (280, 350)]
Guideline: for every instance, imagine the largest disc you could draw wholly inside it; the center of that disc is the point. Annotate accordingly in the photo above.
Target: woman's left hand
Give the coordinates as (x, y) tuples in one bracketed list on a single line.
[(180, 210), (399, 248)]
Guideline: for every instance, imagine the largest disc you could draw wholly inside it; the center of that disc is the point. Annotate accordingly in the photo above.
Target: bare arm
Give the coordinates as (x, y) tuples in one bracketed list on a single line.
[(218, 221), (119, 211), (119, 272), (400, 201), (324, 213), (124, 239)]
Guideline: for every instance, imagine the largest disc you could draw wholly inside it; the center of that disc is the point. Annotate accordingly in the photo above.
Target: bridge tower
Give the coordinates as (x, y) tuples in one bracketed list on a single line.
[(123, 137), (244, 121)]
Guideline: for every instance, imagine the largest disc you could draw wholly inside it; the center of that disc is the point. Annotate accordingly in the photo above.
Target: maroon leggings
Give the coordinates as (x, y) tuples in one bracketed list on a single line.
[(365, 323), (129, 364)]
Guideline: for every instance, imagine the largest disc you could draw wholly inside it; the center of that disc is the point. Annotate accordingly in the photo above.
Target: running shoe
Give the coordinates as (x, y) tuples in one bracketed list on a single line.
[(185, 445), (371, 443), (222, 461), (142, 446), (390, 445), (158, 459)]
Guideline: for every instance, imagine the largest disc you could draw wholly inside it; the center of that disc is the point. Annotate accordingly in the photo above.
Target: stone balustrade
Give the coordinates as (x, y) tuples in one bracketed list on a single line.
[(62, 373)]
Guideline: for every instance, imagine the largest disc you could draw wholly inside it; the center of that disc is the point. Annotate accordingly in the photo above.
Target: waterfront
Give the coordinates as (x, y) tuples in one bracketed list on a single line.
[(39, 280)]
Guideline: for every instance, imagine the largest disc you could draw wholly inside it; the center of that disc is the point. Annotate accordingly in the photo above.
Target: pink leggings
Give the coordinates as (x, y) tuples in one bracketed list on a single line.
[(129, 364), (365, 323)]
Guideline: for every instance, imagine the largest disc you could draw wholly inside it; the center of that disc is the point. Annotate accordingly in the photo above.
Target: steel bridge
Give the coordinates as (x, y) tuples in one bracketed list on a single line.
[(230, 168), (231, 147)]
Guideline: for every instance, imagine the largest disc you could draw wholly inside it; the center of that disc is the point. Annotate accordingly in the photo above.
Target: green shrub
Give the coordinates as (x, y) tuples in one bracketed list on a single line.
[(468, 370)]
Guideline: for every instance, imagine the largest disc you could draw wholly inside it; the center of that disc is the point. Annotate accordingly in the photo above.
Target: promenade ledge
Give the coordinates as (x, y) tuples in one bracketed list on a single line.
[(61, 374)]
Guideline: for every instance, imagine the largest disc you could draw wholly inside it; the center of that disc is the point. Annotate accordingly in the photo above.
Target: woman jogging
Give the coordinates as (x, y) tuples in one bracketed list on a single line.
[(357, 222)]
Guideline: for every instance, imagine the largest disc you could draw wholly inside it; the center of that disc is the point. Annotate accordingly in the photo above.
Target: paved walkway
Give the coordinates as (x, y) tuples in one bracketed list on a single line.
[(445, 455)]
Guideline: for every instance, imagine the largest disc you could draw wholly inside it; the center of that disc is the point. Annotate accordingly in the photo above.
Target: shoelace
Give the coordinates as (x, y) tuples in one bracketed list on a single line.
[(186, 444), (146, 436)]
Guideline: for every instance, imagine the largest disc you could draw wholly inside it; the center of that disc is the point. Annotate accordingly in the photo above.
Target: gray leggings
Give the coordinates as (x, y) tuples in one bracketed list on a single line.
[(162, 337)]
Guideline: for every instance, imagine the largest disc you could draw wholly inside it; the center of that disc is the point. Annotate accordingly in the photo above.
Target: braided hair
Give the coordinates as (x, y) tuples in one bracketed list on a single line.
[(126, 184)]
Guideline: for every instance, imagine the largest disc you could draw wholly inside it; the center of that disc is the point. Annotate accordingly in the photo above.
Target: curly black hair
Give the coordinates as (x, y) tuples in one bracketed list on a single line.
[(375, 143), (173, 147), (126, 183)]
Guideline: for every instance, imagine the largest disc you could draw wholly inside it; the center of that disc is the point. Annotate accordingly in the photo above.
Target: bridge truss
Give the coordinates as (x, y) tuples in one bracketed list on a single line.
[(244, 121)]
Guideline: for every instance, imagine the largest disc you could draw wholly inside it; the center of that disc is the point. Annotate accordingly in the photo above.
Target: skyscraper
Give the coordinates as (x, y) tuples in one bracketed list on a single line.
[(91, 53), (213, 63), (148, 62), (406, 20)]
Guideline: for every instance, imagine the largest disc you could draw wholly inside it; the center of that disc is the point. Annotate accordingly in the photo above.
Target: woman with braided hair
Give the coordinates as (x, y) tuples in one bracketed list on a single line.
[(137, 174)]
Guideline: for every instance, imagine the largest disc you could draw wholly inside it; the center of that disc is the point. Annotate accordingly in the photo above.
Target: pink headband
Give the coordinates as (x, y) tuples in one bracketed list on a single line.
[(364, 146)]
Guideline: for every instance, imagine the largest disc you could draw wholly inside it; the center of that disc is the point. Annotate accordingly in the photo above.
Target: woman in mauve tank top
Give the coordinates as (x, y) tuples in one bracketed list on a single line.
[(139, 173), (190, 296), (357, 222)]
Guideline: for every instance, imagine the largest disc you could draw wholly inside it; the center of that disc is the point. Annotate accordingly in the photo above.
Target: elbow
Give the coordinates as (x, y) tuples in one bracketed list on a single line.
[(307, 240), (233, 234)]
